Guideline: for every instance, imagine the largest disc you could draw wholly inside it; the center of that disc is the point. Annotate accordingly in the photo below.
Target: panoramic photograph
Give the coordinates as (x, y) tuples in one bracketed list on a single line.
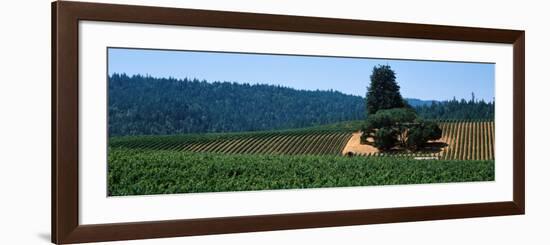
[(204, 121)]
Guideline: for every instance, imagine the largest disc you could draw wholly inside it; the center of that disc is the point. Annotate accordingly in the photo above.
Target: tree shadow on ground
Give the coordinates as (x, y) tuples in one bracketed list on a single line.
[(433, 147)]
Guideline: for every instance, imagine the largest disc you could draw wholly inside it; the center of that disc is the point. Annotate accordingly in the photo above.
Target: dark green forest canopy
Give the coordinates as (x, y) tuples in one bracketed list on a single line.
[(457, 110), (383, 91), (140, 105)]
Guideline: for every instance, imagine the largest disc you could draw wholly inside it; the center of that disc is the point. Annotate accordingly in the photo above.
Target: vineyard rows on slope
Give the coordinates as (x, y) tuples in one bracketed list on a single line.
[(322, 142), (468, 140), (464, 140)]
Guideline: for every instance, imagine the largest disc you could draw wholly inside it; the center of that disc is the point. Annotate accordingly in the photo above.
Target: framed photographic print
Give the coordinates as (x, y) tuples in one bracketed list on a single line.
[(175, 122)]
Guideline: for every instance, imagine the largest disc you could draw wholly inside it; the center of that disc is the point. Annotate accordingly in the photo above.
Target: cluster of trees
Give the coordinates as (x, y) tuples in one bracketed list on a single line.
[(391, 121), (143, 105), (458, 109), (399, 126)]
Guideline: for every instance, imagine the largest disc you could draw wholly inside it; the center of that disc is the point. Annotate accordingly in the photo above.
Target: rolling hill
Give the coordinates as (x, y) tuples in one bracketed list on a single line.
[(461, 140), (141, 105)]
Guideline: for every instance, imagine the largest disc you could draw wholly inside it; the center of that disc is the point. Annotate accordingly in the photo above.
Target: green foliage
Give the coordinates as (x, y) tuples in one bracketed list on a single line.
[(416, 138), (383, 91), (432, 130), (421, 133), (326, 140), (364, 139), (390, 118), (140, 105), (389, 127), (399, 127), (457, 110), (385, 138), (145, 172)]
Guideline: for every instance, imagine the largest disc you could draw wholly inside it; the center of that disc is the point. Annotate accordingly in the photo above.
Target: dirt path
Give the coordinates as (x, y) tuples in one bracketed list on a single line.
[(354, 146)]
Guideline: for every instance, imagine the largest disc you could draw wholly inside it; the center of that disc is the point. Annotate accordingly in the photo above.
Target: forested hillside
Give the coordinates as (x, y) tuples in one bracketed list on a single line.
[(458, 109), (140, 105)]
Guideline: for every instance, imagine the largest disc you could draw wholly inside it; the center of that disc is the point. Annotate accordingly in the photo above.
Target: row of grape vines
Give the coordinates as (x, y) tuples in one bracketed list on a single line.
[(468, 140), (462, 140), (322, 142), (419, 154)]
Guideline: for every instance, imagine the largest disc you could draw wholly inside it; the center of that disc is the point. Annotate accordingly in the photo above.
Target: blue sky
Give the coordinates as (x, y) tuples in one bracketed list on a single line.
[(418, 79)]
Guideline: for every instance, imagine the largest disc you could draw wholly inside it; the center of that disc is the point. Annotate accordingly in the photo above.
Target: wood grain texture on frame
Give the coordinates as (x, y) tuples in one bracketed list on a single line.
[(65, 223)]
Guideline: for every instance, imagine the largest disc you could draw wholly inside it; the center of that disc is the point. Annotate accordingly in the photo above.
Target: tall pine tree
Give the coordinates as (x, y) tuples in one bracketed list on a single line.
[(383, 91)]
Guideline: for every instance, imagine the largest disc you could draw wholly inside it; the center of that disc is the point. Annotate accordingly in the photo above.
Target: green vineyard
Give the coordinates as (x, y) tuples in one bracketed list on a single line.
[(291, 159), (307, 142), (145, 172), (461, 140)]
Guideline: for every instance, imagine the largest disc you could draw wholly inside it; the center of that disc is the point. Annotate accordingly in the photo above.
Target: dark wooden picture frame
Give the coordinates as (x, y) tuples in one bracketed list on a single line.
[(65, 136)]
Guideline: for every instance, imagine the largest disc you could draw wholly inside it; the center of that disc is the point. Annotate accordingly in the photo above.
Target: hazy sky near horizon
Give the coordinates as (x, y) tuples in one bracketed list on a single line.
[(427, 80)]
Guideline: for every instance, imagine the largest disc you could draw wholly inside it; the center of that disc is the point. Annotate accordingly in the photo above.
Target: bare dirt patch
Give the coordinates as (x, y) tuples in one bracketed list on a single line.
[(355, 147)]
